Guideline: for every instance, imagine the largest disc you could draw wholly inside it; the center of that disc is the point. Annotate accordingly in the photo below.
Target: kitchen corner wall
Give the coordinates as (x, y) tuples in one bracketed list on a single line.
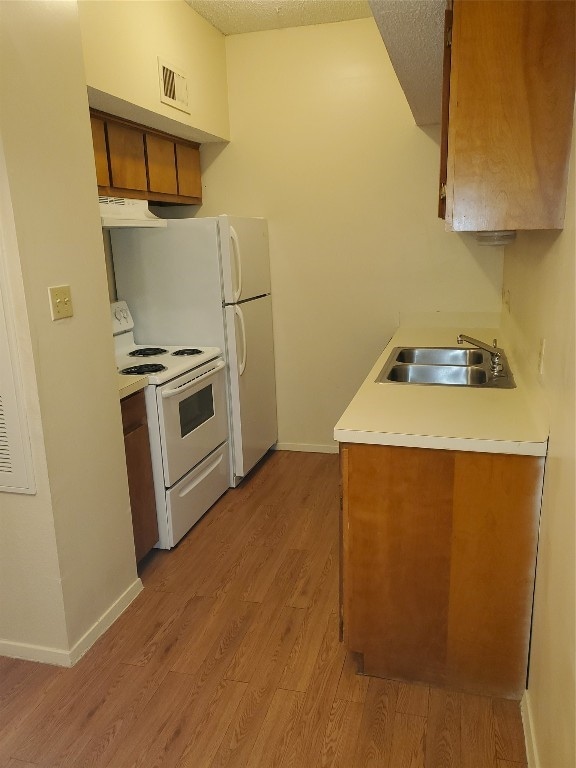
[(67, 565), (121, 43), (324, 146), (540, 276)]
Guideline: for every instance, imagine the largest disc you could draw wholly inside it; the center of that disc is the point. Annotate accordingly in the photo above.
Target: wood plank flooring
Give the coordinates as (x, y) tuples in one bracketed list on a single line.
[(230, 658)]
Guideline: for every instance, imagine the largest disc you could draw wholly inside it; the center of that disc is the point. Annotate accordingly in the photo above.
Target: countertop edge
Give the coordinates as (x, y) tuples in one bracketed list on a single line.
[(474, 445), (128, 385)]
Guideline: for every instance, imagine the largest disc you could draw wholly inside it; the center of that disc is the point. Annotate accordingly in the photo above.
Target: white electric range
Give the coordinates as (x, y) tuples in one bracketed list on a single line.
[(187, 423)]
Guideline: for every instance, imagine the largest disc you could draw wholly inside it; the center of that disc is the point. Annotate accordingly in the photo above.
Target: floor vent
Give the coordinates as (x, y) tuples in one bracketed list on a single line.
[(173, 86)]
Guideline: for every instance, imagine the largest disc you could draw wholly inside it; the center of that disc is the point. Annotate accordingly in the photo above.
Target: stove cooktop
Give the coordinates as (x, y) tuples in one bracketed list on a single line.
[(164, 363)]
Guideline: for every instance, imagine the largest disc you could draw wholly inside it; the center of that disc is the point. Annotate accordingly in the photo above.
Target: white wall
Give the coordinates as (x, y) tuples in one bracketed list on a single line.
[(67, 553), (541, 278), (323, 145), (122, 41)]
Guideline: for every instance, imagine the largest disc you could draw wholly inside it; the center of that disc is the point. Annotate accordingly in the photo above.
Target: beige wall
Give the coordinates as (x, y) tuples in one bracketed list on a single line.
[(122, 41), (67, 553), (540, 276), (323, 145)]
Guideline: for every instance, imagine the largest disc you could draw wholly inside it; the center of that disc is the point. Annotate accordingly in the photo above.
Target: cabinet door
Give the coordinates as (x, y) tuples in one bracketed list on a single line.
[(511, 112), (189, 180), (161, 164), (100, 152), (127, 158)]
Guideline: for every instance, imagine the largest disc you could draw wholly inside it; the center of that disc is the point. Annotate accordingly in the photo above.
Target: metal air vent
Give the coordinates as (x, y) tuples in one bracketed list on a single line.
[(173, 86)]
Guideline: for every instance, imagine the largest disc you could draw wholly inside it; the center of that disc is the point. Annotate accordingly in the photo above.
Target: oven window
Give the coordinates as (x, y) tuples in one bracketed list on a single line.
[(195, 410)]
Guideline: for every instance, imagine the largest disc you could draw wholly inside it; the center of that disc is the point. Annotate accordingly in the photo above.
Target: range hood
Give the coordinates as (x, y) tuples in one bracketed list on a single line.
[(122, 212)]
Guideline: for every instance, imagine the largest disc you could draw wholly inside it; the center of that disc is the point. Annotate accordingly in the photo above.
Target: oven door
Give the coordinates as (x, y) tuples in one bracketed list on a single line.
[(192, 416)]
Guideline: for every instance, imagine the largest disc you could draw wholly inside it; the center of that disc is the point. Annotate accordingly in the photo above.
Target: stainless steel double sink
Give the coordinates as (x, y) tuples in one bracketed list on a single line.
[(448, 366)]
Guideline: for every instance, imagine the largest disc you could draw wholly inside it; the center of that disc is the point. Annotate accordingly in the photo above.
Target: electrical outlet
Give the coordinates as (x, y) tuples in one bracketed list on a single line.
[(60, 302), (541, 356)]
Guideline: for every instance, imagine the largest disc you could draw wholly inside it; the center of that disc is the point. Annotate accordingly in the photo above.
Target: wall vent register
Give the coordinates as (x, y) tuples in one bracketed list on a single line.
[(173, 86)]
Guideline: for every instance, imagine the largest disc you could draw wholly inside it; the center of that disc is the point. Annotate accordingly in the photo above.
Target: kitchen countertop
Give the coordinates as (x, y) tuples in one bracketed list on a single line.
[(127, 385), (445, 417)]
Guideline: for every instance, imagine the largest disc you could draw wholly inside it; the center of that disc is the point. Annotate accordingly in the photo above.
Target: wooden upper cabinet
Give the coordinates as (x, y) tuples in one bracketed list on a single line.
[(510, 115), (127, 158), (143, 163), (189, 179), (100, 151)]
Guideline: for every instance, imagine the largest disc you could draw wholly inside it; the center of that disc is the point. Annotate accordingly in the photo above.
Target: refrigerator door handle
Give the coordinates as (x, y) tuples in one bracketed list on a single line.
[(242, 362), (237, 262)]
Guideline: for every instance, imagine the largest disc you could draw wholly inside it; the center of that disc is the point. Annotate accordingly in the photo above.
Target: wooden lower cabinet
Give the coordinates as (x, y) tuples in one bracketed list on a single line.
[(139, 468), (438, 564)]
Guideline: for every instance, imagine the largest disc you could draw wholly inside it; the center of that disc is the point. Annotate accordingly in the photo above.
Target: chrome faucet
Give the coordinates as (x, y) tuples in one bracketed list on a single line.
[(494, 350)]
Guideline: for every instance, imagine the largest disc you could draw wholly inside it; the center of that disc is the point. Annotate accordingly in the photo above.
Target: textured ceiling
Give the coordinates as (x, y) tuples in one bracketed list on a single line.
[(413, 32), (234, 17)]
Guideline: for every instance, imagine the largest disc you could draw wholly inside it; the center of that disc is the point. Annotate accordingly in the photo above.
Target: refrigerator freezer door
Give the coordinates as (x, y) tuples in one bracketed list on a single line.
[(252, 382), (245, 261)]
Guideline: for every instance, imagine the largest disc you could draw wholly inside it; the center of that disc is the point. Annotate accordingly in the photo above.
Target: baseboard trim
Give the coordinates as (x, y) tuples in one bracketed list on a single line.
[(307, 447), (531, 749), (62, 658)]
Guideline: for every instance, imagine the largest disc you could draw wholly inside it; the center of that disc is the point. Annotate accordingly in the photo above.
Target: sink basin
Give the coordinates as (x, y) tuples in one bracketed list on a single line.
[(440, 356), (447, 366), (459, 375)]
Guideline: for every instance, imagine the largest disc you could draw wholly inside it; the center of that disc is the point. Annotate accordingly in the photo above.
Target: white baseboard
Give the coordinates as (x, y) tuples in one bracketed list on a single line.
[(531, 749), (307, 447), (62, 658)]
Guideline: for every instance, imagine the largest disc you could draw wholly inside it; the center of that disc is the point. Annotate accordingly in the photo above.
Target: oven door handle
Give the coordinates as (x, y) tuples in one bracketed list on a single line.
[(202, 476), (185, 387)]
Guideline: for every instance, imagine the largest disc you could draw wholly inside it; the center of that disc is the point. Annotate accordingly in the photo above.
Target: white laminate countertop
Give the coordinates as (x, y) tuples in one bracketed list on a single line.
[(127, 385), (445, 417)]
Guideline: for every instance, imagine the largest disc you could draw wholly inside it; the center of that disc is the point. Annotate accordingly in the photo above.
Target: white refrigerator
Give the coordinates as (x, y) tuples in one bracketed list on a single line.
[(206, 282)]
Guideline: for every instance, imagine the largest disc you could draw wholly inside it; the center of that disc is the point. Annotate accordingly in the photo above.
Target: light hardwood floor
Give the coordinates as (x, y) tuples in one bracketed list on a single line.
[(230, 658)]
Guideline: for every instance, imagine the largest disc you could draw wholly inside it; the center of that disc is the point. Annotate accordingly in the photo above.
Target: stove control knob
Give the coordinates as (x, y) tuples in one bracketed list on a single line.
[(118, 315)]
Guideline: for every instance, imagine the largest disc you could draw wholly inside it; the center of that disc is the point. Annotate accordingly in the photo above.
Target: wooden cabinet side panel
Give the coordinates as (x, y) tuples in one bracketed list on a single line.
[(127, 158), (344, 550), (141, 487), (140, 477), (100, 151), (495, 530), (399, 538), (189, 177), (446, 63), (161, 164), (511, 106)]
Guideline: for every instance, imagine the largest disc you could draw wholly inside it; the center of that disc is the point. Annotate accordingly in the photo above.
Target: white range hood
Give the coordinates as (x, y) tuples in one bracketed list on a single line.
[(123, 212)]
